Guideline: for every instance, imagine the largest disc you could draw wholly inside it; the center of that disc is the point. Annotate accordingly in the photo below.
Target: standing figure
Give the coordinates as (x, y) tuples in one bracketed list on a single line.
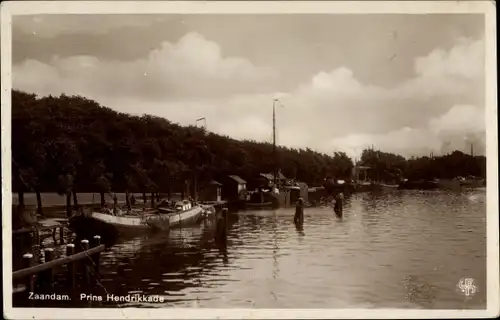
[(298, 218), (115, 205), (338, 208), (221, 227)]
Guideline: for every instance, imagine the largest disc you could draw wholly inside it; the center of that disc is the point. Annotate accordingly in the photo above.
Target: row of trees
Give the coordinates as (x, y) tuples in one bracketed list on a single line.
[(70, 144), (390, 167)]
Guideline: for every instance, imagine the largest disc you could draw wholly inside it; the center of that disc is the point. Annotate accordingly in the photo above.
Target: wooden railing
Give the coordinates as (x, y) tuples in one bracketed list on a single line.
[(83, 258)]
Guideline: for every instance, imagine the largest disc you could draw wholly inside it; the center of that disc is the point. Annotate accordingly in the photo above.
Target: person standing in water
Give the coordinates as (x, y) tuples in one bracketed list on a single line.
[(221, 227), (115, 205), (298, 218), (338, 208)]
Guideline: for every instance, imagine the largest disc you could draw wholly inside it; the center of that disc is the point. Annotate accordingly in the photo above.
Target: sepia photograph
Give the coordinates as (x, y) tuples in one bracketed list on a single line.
[(226, 158)]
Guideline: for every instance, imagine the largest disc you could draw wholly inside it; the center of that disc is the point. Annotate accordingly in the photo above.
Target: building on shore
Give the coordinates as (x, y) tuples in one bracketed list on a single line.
[(360, 173), (234, 188), (304, 191), (289, 196), (211, 192), (316, 195), (266, 180)]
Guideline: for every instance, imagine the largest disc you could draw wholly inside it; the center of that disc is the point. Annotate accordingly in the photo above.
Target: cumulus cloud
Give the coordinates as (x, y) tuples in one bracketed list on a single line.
[(194, 67), (457, 129), (455, 62), (440, 108), (426, 113)]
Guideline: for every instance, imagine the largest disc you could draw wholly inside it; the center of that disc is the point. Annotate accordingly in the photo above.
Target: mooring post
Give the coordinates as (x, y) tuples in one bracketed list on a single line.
[(47, 276), (29, 283), (37, 257), (97, 241), (97, 256), (54, 231), (70, 250), (61, 234), (85, 247)]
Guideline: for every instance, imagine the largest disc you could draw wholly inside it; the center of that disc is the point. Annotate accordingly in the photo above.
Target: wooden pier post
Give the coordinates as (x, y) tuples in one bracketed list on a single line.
[(37, 257), (44, 272), (61, 234), (97, 256), (47, 276), (29, 282), (85, 262), (97, 241), (84, 245), (70, 250), (39, 239), (54, 231)]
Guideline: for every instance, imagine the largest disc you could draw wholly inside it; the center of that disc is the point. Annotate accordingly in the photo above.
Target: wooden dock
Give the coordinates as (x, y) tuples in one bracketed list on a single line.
[(218, 205), (77, 262)]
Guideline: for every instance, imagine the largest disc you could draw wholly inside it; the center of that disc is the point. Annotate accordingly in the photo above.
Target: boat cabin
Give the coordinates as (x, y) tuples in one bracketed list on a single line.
[(183, 205)]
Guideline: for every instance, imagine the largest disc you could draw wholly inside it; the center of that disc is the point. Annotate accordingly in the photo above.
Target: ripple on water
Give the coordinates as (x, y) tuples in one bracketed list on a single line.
[(428, 239)]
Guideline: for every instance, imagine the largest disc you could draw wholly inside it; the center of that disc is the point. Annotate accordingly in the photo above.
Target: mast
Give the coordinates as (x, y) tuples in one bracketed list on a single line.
[(275, 173)]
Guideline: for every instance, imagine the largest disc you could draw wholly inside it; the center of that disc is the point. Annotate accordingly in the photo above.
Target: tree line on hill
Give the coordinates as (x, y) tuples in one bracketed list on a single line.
[(71, 144), (388, 167)]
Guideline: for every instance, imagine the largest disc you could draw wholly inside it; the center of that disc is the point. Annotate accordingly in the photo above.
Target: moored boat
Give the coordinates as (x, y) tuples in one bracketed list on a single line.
[(449, 184), (184, 213), (419, 185), (472, 182), (388, 187), (259, 205), (133, 223)]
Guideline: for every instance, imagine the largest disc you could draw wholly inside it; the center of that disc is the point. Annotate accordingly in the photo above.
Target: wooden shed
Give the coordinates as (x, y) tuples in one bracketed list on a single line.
[(233, 188), (211, 192)]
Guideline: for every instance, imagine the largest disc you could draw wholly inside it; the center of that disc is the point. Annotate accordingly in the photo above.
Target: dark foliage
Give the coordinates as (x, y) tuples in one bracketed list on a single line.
[(390, 167), (64, 144), (67, 143)]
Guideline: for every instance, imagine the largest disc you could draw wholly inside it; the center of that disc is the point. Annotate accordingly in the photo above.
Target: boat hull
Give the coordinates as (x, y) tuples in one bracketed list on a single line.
[(419, 185), (112, 227), (450, 184), (258, 205), (388, 187), (473, 183)]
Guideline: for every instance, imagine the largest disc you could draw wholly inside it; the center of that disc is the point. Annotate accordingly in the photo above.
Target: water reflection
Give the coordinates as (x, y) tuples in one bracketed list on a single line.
[(300, 229), (275, 248), (405, 249)]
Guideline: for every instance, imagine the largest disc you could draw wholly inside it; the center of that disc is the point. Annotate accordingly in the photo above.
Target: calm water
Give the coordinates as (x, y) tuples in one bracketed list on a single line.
[(398, 250)]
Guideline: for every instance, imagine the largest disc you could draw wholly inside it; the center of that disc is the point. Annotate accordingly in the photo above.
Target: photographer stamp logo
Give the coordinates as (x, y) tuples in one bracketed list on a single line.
[(467, 287)]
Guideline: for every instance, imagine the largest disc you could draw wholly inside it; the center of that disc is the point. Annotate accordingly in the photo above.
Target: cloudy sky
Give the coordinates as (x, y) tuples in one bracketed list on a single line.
[(408, 84)]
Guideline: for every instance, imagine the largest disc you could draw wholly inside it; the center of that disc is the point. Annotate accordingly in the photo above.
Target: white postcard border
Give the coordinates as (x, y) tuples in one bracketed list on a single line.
[(8, 9)]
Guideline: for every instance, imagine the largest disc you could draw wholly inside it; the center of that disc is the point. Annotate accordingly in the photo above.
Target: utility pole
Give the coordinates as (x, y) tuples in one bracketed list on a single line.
[(274, 143)]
